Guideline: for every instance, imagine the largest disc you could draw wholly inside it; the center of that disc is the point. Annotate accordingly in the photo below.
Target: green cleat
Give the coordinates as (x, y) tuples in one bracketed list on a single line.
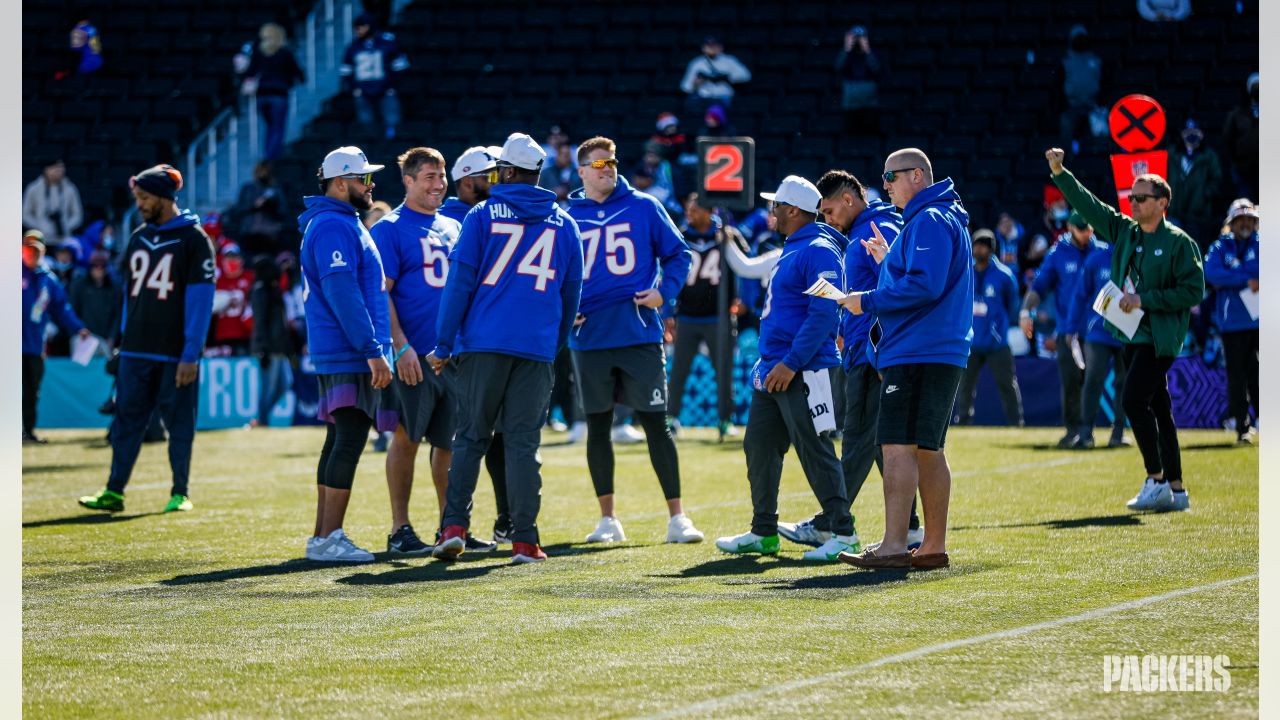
[(178, 503), (749, 542), (104, 500)]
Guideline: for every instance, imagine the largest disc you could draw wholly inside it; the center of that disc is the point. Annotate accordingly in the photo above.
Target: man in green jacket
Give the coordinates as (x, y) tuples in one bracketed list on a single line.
[(1160, 271)]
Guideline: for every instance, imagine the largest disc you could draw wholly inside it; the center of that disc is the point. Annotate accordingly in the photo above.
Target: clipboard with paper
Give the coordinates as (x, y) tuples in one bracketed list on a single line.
[(824, 289), (1107, 304)]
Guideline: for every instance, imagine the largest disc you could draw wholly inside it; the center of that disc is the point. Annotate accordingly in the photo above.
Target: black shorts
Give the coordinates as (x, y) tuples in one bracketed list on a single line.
[(635, 376), (916, 402), (429, 409)]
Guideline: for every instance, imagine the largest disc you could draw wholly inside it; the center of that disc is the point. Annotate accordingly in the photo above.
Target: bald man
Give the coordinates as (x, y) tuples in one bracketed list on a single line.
[(923, 303)]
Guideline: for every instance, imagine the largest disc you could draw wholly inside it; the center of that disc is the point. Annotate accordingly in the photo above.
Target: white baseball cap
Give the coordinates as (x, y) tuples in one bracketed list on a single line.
[(521, 151), (349, 160), (474, 161), (796, 191), (1242, 207)]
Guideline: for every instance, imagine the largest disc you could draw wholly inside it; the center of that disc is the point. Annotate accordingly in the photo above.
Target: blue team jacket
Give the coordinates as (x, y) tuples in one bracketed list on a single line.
[(1229, 267), (861, 273), (43, 299), (344, 292), (799, 330), (924, 299), (454, 209), (629, 244), (515, 277), (995, 305), (1082, 320), (1060, 273)]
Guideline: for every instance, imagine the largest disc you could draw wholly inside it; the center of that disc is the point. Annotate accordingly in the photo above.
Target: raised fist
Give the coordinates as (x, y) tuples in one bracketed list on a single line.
[(1054, 156)]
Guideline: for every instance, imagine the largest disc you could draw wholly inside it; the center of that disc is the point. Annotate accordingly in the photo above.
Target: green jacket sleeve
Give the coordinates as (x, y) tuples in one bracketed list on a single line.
[(1188, 275), (1108, 221)]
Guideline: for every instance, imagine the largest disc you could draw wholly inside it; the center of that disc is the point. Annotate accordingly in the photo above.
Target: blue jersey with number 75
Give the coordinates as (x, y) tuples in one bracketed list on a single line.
[(515, 277)]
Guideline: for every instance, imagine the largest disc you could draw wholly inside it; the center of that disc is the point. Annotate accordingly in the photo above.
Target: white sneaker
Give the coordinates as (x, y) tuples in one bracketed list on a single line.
[(1153, 496), (338, 548), (803, 533), (830, 550), (607, 530), (915, 538), (624, 434), (577, 433), (680, 529)]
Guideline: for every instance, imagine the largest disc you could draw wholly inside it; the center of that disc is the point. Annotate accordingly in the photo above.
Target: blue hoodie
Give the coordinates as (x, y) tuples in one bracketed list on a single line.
[(796, 329), (924, 299), (345, 294), (43, 299), (1229, 267), (1060, 273), (995, 305), (515, 277), (454, 209), (1082, 320), (862, 273), (629, 245)]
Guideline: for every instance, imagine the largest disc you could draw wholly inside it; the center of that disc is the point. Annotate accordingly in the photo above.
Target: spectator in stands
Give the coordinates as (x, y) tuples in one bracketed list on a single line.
[(653, 175), (259, 219), (674, 142), (232, 314), (374, 213), (96, 298), (371, 69), (561, 176), (1102, 352), (1164, 11), (859, 69), (43, 299), (1232, 268), (271, 341), (1009, 234), (97, 235), (1194, 175), (1081, 83), (710, 77), (995, 305), (1054, 228), (557, 136), (715, 121), (1060, 274), (1240, 141), (85, 54), (273, 71), (51, 204)]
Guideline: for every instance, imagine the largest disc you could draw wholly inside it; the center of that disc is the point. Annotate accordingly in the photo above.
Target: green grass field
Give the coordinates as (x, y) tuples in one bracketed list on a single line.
[(213, 613)]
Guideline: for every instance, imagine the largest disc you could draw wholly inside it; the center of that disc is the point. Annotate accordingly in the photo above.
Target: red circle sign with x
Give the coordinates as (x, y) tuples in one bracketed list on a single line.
[(1137, 123)]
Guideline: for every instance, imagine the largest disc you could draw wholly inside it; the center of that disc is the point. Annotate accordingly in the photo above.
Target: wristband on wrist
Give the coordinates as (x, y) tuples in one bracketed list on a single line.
[(400, 352)]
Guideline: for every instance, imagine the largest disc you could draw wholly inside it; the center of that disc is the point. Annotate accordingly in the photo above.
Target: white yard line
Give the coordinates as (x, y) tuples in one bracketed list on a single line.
[(714, 704)]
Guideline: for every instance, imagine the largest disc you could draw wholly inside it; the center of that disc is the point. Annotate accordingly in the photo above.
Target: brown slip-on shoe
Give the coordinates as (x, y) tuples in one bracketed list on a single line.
[(870, 560), (931, 561)]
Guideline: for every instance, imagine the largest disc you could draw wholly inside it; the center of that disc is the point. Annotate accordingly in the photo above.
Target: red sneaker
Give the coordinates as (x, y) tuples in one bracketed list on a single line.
[(452, 542), (526, 553)]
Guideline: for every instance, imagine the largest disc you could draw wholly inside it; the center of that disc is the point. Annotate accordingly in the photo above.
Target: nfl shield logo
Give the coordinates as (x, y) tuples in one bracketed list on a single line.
[(1138, 167)]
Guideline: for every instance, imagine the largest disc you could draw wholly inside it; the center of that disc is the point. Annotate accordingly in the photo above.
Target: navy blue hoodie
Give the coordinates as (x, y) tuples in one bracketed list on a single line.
[(924, 300), (861, 273)]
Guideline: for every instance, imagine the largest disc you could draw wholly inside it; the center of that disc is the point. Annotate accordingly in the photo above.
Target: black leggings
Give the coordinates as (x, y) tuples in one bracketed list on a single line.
[(343, 444), (1150, 410), (662, 451)]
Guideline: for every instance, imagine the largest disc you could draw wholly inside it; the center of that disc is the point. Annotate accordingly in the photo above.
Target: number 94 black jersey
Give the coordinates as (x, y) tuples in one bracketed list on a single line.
[(158, 266)]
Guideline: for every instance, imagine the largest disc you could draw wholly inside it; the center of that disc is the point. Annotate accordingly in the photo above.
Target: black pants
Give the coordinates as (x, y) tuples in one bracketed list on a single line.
[(688, 337), (859, 448), (1150, 410), (1000, 361), (1098, 360), (563, 388), (1072, 379), (776, 422), (32, 375), (1242, 375), (141, 387)]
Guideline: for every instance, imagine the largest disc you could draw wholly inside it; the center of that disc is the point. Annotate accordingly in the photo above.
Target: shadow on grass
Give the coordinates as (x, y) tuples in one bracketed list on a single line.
[(255, 571), (736, 565), (1053, 447), (97, 519), (464, 568), (1126, 520), (858, 577), (1213, 446), (41, 469)]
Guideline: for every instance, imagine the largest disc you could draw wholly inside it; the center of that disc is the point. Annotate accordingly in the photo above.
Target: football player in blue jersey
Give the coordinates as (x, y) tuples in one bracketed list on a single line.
[(349, 333), (515, 277), (634, 263), (791, 382), (168, 271)]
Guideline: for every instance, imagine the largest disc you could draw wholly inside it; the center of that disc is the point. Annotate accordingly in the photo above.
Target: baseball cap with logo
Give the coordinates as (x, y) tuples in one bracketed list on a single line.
[(1242, 207), (521, 151), (475, 161), (348, 160), (984, 236), (796, 191)]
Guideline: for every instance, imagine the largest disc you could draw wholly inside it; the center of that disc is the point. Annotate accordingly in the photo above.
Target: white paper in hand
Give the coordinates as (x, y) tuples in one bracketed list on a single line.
[(1250, 299), (824, 289), (817, 390), (1107, 304), (82, 349)]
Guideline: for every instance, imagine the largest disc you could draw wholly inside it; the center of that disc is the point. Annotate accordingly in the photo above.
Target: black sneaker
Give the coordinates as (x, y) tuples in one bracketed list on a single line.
[(475, 544), (1067, 441), (502, 531), (405, 542), (1084, 442), (31, 439)]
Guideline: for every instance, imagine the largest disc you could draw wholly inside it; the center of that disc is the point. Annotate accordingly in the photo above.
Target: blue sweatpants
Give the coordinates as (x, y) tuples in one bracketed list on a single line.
[(142, 385)]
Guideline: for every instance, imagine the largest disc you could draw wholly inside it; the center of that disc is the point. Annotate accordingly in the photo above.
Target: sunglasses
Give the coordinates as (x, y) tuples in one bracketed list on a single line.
[(774, 205), (365, 179), (890, 175), (602, 163), (1136, 198)]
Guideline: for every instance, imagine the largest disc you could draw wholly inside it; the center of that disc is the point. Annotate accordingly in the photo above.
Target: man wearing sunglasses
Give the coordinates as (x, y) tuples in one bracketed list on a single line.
[(635, 261), (349, 333), (797, 350), (923, 303), (473, 173), (1159, 268)]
